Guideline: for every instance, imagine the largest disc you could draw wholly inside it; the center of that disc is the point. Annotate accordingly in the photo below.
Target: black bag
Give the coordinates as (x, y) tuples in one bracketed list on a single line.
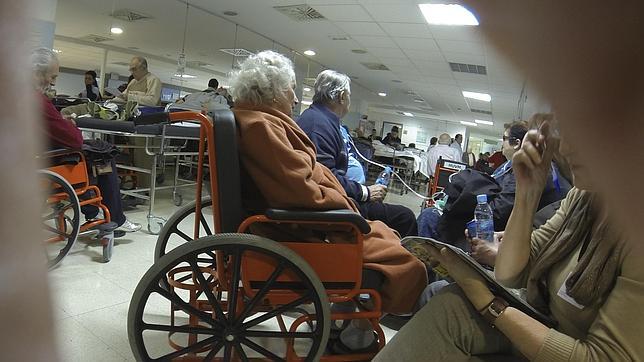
[(462, 190)]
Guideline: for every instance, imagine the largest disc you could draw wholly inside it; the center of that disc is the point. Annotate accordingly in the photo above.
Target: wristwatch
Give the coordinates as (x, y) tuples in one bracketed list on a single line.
[(493, 310)]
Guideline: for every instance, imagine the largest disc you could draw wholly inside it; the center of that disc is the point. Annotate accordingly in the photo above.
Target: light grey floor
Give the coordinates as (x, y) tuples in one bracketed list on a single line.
[(91, 298)]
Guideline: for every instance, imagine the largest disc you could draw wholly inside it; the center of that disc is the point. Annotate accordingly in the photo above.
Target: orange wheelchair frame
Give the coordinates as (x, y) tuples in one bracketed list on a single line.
[(196, 275), (69, 169)]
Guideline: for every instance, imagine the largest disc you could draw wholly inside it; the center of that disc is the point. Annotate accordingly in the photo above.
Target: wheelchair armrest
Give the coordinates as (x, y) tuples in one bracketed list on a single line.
[(324, 216), (151, 118), (58, 152)]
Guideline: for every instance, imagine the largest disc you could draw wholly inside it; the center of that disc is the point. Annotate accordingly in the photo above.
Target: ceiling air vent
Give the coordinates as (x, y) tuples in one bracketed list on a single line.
[(339, 37), (301, 12), (129, 15), (124, 64), (95, 38), (238, 52), (480, 111), (468, 68), (375, 66)]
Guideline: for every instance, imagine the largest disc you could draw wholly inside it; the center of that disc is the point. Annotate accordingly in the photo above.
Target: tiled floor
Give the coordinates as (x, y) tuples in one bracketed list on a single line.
[(91, 298)]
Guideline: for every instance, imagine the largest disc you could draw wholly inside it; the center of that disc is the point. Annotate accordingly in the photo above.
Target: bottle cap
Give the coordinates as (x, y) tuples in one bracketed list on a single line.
[(481, 199)]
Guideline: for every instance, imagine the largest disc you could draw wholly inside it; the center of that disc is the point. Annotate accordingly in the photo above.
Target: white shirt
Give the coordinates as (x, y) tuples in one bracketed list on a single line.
[(208, 99), (441, 151), (457, 146)]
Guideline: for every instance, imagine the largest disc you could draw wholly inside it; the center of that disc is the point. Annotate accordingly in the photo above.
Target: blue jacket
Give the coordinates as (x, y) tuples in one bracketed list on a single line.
[(323, 128)]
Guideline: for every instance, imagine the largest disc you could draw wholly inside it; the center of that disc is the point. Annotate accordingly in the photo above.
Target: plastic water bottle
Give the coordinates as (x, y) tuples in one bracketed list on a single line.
[(484, 219), (384, 177)]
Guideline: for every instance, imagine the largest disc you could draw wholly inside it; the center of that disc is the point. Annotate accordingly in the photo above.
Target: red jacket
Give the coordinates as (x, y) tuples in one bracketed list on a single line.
[(60, 131)]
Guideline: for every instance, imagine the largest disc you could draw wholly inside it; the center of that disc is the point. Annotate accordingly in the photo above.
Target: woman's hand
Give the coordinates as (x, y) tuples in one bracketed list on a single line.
[(531, 163), (469, 280), (484, 252)]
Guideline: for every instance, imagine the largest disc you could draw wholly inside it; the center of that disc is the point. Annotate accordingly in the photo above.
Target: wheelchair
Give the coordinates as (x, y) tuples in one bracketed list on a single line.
[(444, 170), (67, 187), (218, 292)]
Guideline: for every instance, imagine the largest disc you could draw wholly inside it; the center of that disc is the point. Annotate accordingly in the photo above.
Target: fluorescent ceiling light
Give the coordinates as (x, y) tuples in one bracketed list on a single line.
[(306, 89), (447, 14), (307, 103), (469, 123), (116, 30), (382, 94), (185, 76), (478, 96), (57, 51), (480, 121), (408, 114), (309, 52)]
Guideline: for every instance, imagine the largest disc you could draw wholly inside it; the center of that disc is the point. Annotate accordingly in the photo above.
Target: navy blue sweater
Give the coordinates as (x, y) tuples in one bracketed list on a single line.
[(323, 128)]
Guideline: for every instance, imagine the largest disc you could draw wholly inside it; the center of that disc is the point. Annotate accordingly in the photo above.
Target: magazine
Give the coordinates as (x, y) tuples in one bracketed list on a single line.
[(412, 243)]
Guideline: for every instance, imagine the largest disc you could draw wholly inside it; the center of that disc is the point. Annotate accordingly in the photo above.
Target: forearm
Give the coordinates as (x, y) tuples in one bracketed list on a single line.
[(514, 252), (525, 333)]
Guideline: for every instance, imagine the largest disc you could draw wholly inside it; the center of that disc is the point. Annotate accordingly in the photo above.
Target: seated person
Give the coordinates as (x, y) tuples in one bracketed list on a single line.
[(282, 172), (577, 268), (208, 99), (355, 171), (62, 132), (91, 87), (555, 188), (321, 123), (392, 139), (441, 150)]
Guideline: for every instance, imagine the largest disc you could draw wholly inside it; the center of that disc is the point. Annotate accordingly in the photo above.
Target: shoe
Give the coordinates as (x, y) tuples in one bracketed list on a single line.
[(129, 226)]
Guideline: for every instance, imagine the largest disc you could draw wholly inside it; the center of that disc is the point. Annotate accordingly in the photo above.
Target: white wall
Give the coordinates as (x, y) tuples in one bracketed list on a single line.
[(70, 84)]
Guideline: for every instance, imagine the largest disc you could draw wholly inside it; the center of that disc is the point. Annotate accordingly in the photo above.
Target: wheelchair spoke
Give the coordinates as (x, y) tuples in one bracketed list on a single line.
[(234, 283), (275, 334), (208, 280), (277, 311), (204, 317), (240, 351), (182, 234), (188, 349), (182, 329), (213, 352), (259, 349), (55, 231), (260, 294), (205, 225), (227, 350), (206, 289)]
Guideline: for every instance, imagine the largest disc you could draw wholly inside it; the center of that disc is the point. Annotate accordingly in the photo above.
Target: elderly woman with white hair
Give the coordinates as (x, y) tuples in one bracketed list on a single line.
[(280, 162), (322, 123)]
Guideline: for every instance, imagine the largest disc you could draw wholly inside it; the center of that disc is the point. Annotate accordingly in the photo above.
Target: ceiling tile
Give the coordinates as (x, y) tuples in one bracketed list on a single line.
[(464, 58), (463, 33), (417, 44), (396, 61), (343, 12), (360, 28), (415, 55), (406, 30), (375, 41), (461, 46), (398, 13), (387, 52), (469, 77)]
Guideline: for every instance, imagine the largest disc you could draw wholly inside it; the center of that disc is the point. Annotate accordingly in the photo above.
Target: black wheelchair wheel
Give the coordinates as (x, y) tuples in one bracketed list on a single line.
[(179, 229), (60, 217), (198, 320)]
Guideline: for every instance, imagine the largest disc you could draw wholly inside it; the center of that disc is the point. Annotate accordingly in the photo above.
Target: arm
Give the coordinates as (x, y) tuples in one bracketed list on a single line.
[(60, 131), (326, 155), (502, 204), (287, 177)]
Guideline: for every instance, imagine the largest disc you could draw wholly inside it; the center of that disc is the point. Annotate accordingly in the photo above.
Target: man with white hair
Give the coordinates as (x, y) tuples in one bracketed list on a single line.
[(321, 122), (441, 150), (145, 88)]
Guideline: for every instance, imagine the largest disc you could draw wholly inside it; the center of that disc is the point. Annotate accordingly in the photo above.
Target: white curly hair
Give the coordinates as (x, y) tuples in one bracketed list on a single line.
[(261, 78)]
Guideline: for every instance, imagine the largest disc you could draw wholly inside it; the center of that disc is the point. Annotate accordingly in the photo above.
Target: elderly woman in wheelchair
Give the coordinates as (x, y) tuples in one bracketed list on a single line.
[(301, 255), (70, 191)]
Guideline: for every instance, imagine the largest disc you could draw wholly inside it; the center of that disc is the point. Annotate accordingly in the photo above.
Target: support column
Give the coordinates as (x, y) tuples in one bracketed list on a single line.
[(42, 23), (103, 83)]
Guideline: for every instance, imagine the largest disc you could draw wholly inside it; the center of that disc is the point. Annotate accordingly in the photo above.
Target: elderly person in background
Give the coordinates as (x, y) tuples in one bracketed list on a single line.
[(577, 268), (63, 133), (283, 172), (321, 123), (441, 150), (145, 88)]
